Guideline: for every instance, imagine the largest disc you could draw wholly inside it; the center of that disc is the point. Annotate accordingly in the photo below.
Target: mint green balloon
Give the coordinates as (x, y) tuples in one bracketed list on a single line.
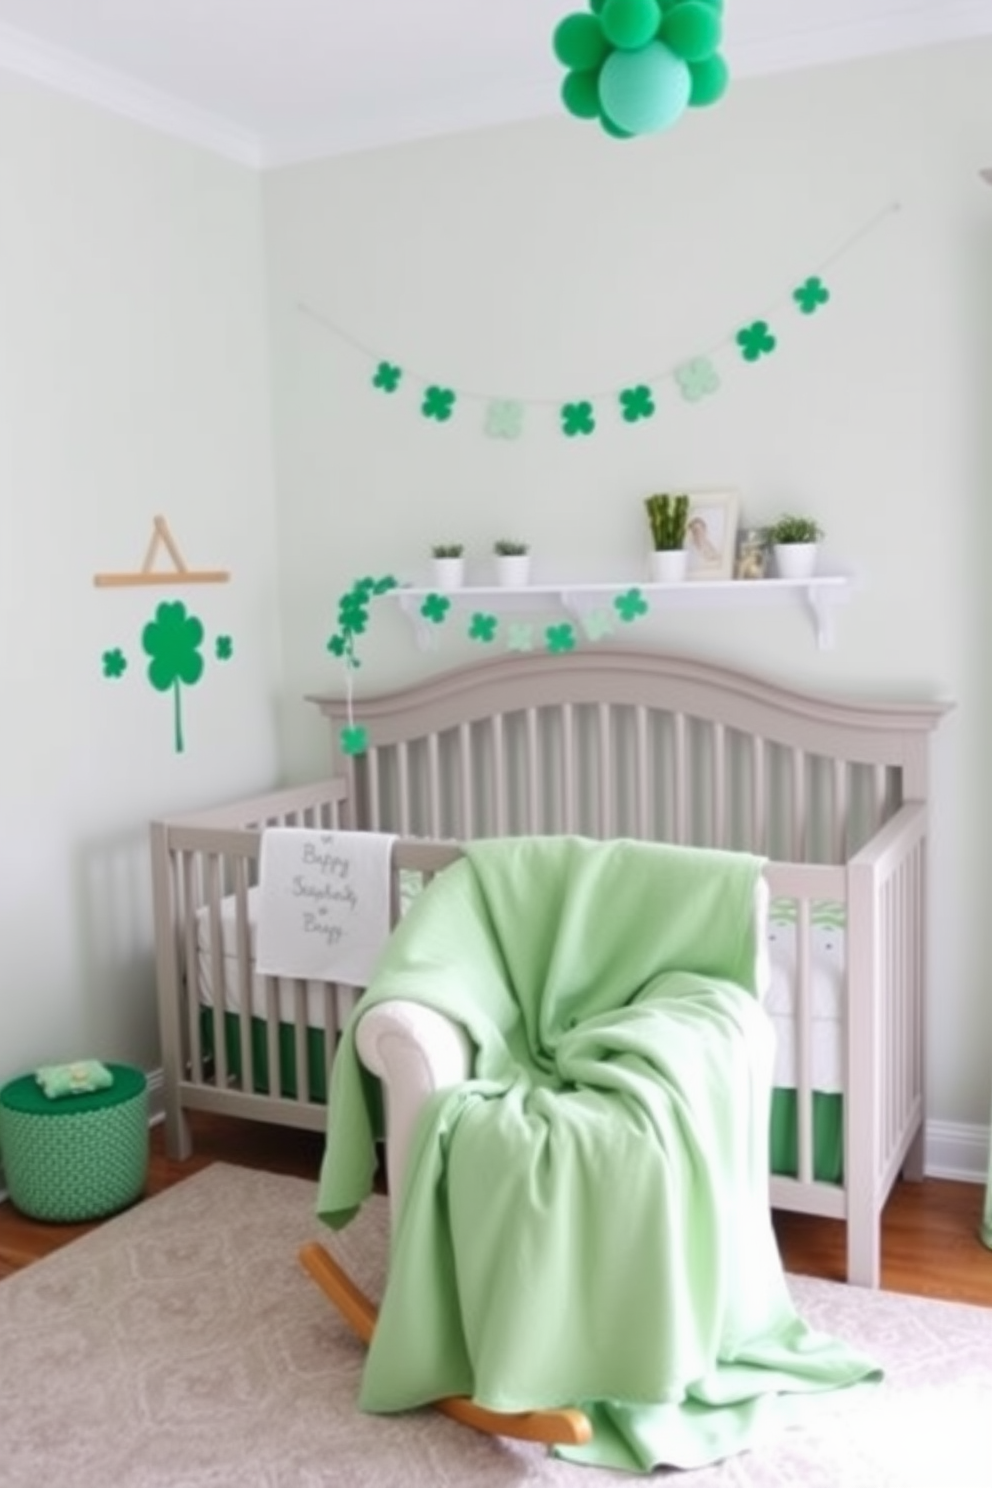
[(693, 30), (644, 91), (709, 81), (579, 42), (630, 24), (580, 94)]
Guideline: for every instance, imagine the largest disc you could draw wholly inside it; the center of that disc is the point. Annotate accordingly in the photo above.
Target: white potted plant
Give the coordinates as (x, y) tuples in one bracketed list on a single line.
[(795, 542), (668, 515), (512, 561), (449, 565)]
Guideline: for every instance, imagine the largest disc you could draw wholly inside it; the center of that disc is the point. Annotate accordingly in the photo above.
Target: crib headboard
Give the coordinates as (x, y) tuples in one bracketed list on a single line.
[(633, 743)]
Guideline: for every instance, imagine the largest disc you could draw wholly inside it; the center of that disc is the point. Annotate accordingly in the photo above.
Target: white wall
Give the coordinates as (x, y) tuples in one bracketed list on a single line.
[(547, 261), (133, 381)]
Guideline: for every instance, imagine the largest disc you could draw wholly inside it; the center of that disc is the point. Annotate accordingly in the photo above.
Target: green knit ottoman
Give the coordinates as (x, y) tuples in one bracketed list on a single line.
[(77, 1158)]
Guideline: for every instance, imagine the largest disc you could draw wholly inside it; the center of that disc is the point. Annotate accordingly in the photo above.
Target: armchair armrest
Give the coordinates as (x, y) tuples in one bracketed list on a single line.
[(414, 1051)]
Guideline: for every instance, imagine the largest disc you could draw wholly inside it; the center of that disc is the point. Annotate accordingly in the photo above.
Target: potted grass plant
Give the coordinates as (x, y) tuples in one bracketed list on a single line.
[(668, 516), (795, 542), (449, 565), (512, 561)]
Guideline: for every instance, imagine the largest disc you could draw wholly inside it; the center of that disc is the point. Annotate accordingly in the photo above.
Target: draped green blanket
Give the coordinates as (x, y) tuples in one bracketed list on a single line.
[(586, 1221)]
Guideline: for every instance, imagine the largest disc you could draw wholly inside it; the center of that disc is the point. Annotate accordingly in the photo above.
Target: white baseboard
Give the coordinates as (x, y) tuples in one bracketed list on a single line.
[(954, 1150)]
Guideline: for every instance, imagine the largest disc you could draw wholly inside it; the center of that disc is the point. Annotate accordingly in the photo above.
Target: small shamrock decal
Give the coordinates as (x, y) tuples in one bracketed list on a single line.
[(577, 418), (520, 637), (630, 605), (755, 341), (504, 419), (637, 403), (483, 628), (811, 295), (173, 640), (560, 638), (387, 377), (697, 379), (223, 648), (354, 740), (438, 404), (597, 625), (435, 608), (114, 663)]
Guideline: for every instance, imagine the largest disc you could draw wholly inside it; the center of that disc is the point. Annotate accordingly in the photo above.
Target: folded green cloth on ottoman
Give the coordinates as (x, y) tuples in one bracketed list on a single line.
[(80, 1078)]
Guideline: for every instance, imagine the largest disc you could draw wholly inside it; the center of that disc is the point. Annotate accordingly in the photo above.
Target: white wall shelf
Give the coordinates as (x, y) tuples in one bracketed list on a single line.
[(818, 597)]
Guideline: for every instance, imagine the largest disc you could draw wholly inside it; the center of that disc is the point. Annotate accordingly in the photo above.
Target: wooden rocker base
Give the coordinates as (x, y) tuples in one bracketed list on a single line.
[(552, 1427)]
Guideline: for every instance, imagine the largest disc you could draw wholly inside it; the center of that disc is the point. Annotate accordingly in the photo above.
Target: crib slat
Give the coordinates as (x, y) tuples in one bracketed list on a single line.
[(799, 823), (434, 786), (570, 804), (682, 781), (643, 782), (498, 743), (605, 772), (532, 757), (718, 791), (803, 1025), (465, 776)]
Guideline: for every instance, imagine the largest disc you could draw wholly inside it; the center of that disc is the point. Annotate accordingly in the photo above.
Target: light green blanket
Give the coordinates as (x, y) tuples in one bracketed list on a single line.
[(586, 1222)]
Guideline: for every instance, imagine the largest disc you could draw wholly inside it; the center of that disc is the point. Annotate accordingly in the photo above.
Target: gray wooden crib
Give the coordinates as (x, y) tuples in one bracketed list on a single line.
[(602, 743)]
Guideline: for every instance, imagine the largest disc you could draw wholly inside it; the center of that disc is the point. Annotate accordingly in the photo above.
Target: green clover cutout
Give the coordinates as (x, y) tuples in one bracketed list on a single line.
[(520, 637), (697, 379), (597, 625), (223, 648), (338, 646), (114, 663), (811, 295), (383, 585), (560, 638), (354, 740), (483, 628), (173, 640), (637, 403), (387, 377), (438, 404), (435, 608), (630, 605), (755, 341), (504, 419), (577, 418)]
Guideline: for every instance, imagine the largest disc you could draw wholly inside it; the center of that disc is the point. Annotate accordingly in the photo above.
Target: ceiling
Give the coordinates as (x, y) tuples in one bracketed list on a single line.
[(269, 82)]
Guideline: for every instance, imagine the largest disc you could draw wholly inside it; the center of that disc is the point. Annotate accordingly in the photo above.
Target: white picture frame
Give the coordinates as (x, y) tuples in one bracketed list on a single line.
[(711, 534)]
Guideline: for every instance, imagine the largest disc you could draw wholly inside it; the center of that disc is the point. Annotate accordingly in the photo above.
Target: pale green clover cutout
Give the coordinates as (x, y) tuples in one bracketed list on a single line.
[(504, 419), (597, 625), (520, 636), (697, 379)]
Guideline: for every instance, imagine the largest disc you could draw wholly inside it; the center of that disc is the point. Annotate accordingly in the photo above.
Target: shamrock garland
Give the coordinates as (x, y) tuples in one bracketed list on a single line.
[(695, 379), (353, 621), (172, 641), (636, 65), (578, 419), (483, 628)]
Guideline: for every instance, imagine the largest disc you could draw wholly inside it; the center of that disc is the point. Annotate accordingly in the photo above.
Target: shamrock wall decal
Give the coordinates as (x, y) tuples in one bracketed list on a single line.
[(387, 377), (811, 295), (439, 404), (173, 640)]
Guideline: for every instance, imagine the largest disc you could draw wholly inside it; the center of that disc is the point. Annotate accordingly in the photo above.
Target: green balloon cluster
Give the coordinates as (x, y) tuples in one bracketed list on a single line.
[(636, 65)]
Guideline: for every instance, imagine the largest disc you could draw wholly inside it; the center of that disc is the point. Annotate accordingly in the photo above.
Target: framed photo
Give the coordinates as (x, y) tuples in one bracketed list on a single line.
[(711, 534)]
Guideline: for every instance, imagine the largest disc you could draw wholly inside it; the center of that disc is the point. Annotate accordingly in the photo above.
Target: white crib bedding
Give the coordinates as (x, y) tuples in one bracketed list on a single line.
[(827, 983)]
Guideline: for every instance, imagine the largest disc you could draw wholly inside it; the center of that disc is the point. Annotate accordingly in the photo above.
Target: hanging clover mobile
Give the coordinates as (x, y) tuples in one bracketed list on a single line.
[(637, 65)]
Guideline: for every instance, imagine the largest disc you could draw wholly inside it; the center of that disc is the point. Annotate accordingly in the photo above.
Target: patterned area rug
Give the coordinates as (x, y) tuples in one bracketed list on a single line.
[(181, 1346)]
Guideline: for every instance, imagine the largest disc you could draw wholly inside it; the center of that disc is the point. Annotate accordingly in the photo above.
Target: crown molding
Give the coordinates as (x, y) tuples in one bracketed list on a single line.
[(66, 72), (752, 55)]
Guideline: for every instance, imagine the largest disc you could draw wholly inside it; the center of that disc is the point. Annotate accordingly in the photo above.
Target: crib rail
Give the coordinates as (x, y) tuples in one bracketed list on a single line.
[(629, 745), (227, 1033)]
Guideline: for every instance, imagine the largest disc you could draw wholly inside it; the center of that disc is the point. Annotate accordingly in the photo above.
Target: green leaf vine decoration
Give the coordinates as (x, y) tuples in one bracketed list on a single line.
[(353, 617)]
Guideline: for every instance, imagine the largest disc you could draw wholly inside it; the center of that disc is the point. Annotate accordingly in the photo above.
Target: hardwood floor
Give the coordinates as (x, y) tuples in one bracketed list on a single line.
[(930, 1242)]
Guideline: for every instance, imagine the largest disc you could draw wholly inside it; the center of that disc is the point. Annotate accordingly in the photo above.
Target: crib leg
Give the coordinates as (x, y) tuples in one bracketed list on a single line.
[(564, 1427)]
